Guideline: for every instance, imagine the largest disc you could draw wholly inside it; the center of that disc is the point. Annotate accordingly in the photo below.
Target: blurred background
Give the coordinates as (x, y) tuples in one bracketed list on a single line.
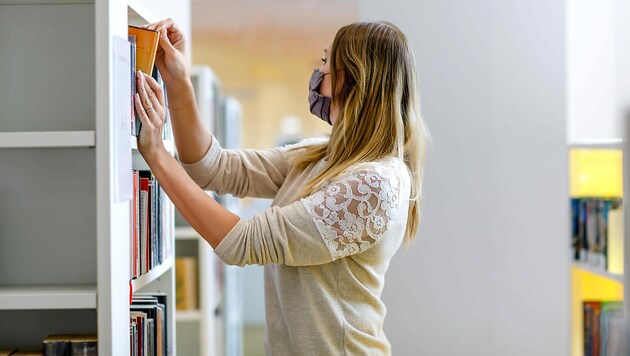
[(525, 102), (263, 54)]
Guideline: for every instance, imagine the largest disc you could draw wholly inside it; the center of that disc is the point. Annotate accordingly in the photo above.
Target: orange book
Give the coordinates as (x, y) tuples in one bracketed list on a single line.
[(146, 48)]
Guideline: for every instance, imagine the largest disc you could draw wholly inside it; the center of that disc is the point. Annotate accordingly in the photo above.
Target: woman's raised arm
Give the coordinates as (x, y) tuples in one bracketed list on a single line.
[(191, 137)]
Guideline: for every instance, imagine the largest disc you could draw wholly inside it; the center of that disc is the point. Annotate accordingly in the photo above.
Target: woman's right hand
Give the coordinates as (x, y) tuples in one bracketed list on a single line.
[(171, 58)]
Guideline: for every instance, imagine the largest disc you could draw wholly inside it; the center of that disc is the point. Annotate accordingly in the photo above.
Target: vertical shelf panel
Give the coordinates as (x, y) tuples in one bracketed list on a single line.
[(597, 171)]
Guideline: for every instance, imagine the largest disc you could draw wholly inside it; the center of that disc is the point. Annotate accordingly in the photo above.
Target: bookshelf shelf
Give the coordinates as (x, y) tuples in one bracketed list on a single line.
[(168, 144), (598, 143), (597, 271), (80, 296), (188, 315), (66, 131), (139, 14), (186, 233), (152, 275), (46, 139)]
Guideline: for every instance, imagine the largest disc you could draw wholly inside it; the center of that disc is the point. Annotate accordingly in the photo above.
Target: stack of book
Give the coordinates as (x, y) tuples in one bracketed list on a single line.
[(151, 224), (61, 345), (147, 328)]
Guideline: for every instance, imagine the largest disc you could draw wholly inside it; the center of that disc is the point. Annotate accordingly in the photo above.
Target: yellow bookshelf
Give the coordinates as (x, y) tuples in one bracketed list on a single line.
[(596, 172)]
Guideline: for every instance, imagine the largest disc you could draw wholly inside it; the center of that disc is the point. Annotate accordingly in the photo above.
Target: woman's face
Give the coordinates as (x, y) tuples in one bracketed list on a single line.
[(325, 87)]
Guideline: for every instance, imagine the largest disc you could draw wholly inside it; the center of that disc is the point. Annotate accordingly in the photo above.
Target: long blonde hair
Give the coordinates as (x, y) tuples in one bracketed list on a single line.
[(379, 112)]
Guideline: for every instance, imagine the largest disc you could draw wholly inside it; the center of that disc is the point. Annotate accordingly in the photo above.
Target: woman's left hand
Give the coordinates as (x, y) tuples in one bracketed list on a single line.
[(149, 103)]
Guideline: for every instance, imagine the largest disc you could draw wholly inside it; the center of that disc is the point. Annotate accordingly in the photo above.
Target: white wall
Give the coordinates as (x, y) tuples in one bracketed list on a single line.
[(489, 273), (591, 70), (598, 68)]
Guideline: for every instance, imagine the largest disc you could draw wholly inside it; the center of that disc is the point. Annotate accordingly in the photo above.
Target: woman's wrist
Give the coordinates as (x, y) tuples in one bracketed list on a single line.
[(180, 94), (154, 155)]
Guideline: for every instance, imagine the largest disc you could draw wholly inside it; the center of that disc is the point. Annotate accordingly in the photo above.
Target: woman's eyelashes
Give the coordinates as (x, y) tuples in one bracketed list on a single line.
[(323, 60)]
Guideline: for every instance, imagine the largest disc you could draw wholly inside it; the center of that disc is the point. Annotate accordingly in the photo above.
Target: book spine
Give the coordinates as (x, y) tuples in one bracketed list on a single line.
[(132, 70)]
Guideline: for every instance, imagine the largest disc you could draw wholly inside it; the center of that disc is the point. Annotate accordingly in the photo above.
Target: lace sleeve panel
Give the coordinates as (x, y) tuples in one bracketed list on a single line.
[(353, 212)]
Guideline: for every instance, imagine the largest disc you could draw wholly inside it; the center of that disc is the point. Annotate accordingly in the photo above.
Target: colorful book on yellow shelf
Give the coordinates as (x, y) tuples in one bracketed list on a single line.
[(146, 48)]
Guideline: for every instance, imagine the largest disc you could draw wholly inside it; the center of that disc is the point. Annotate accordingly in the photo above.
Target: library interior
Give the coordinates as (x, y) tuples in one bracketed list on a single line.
[(520, 247)]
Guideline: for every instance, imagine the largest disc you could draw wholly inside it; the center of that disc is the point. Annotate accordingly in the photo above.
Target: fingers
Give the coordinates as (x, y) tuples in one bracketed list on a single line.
[(149, 102), (167, 24), (155, 88), (142, 114), (165, 42)]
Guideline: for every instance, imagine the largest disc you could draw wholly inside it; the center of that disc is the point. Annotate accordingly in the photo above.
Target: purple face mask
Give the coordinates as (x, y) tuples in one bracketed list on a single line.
[(319, 104)]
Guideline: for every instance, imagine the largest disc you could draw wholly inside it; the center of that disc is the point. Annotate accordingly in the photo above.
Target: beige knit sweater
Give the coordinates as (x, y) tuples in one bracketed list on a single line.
[(325, 256)]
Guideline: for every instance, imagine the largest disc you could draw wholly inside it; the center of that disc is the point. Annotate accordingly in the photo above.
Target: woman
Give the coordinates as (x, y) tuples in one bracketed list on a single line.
[(342, 206)]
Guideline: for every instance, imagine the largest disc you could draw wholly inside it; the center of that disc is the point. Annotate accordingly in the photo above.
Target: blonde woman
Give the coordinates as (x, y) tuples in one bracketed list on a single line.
[(342, 206)]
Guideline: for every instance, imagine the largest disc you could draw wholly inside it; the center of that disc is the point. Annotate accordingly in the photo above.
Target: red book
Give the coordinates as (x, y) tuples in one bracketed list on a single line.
[(135, 225), (144, 224)]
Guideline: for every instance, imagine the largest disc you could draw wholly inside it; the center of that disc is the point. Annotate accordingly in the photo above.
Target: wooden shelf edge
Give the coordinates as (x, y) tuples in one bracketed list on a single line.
[(39, 297), (152, 275), (594, 270), (42, 139)]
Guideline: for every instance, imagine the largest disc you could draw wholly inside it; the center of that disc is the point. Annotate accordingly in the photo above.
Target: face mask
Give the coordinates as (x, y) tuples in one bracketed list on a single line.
[(319, 104)]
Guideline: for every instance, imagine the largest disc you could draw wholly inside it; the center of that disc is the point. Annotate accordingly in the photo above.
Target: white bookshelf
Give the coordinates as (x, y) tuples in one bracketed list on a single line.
[(47, 139), (139, 14), (186, 233), (151, 276), (188, 316), (199, 322), (202, 336), (65, 234), (597, 143), (168, 144), (48, 297)]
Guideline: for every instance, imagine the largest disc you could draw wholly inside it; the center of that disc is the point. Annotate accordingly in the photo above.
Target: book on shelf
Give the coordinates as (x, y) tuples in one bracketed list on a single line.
[(152, 219), (167, 132), (590, 230), (143, 47), (186, 283), (84, 345), (70, 345), (148, 325), (603, 328), (57, 345), (146, 48), (132, 76)]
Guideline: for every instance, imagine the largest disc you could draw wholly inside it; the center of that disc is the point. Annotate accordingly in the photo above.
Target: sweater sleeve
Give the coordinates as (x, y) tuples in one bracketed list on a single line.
[(254, 173), (346, 217)]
